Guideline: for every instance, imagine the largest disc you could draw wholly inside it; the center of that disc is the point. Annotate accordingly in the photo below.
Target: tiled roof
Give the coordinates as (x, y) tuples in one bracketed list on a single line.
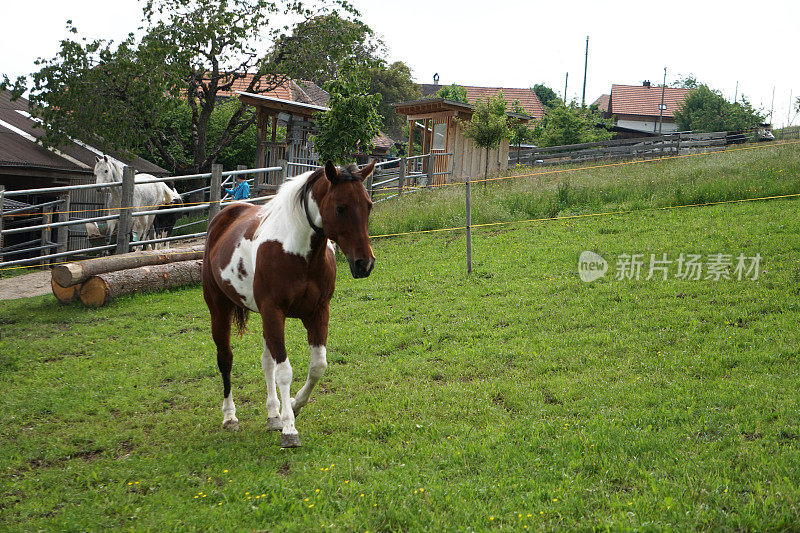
[(18, 133), (603, 102), (527, 98), (644, 100), (382, 141), (296, 91)]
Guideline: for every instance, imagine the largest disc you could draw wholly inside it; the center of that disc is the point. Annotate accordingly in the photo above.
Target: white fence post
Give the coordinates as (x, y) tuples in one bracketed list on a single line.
[(284, 164), (452, 166), (469, 228), (125, 211), (401, 178), (63, 231), (2, 195), (47, 233), (215, 192), (370, 181)]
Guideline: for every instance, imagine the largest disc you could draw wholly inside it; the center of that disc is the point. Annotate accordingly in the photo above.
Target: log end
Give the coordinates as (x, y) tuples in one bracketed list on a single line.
[(67, 275), (95, 292), (64, 295)]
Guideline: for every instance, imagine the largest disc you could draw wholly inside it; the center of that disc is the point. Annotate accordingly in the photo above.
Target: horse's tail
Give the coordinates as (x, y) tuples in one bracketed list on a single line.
[(240, 315)]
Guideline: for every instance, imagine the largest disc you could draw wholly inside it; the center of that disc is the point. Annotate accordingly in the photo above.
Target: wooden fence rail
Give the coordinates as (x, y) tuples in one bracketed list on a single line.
[(645, 147)]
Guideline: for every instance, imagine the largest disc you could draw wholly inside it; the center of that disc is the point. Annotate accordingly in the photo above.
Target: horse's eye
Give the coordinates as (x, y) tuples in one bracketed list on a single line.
[(340, 209)]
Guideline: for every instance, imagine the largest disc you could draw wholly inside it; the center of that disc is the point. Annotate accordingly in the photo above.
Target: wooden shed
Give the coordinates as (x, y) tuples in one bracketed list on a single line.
[(439, 124)]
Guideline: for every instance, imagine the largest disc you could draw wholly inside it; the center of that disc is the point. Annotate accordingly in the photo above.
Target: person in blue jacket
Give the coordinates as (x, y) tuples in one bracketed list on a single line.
[(242, 189)]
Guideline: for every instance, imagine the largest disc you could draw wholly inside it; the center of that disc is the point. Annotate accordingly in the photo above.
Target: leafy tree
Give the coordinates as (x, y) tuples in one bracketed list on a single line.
[(705, 110), (242, 149), (452, 92), (521, 133), (352, 119), (324, 43), (395, 84), (571, 125), (546, 95), (488, 126), (130, 96), (687, 82)]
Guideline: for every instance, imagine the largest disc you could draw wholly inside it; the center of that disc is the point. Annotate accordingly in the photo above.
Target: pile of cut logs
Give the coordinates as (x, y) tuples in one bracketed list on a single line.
[(95, 282)]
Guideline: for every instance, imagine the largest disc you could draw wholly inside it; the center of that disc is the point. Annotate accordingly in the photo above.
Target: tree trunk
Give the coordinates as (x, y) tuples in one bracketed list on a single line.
[(486, 170), (101, 289), (65, 295), (75, 273)]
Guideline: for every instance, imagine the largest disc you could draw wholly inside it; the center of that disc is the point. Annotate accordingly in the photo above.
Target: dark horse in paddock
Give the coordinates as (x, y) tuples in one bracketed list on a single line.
[(277, 260)]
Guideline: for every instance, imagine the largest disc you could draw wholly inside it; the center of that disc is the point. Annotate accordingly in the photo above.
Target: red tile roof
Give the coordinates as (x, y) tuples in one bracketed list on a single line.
[(296, 91), (644, 100), (527, 98), (603, 103)]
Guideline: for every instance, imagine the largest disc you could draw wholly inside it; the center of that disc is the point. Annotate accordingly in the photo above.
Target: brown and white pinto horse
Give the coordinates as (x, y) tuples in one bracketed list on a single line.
[(277, 260)]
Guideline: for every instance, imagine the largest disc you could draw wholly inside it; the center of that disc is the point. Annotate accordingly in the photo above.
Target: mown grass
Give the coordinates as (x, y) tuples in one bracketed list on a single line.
[(519, 396), (742, 172)]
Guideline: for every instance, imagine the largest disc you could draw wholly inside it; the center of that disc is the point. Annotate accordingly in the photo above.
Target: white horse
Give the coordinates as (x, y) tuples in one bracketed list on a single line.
[(146, 196)]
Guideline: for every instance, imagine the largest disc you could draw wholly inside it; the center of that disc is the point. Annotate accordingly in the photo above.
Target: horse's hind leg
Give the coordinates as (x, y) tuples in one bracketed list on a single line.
[(221, 333)]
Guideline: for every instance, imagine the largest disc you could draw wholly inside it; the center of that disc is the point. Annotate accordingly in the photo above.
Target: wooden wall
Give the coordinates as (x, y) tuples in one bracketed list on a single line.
[(470, 160)]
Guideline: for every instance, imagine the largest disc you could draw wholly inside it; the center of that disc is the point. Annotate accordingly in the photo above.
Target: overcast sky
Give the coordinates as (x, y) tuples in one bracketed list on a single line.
[(504, 43)]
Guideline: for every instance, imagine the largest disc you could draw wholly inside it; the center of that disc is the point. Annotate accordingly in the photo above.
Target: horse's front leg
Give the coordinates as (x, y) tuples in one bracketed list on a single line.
[(317, 328), (273, 405), (274, 340)]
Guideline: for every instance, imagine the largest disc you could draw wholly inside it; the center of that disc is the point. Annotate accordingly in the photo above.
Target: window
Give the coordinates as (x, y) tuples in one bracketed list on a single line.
[(439, 134)]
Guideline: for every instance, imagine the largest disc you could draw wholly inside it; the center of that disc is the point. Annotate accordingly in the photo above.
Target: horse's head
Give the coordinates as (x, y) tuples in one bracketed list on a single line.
[(106, 171), (345, 215)]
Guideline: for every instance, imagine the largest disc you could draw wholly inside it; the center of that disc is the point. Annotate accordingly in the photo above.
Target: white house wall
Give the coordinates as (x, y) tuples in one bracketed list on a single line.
[(648, 126)]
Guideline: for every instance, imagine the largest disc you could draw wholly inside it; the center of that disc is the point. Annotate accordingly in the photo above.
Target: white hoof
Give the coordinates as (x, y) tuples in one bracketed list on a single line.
[(231, 423), (290, 440)]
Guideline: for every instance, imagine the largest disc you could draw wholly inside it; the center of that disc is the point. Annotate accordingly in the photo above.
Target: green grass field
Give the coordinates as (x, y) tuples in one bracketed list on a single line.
[(519, 397), (744, 171)]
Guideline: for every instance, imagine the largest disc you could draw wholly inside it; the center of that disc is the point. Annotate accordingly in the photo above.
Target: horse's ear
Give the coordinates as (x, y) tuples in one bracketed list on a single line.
[(97, 159), (105, 158), (330, 172), (367, 170)]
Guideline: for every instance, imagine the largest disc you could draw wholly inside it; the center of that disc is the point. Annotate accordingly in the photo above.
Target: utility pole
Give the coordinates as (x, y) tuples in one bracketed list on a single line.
[(661, 107), (736, 92), (772, 105), (566, 79), (585, 64)]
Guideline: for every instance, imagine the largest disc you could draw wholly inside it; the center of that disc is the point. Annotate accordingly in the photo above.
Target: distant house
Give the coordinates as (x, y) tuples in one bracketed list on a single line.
[(636, 108), (527, 98)]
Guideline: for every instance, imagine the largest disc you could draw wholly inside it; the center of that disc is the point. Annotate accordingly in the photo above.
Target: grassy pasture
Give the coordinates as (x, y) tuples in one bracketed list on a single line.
[(749, 171), (518, 397)]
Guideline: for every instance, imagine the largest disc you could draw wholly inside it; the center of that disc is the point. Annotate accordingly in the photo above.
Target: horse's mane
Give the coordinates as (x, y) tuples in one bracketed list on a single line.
[(284, 209)]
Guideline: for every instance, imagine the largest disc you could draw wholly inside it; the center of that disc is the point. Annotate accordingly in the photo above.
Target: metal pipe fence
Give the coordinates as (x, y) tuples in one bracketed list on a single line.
[(44, 223), (405, 177)]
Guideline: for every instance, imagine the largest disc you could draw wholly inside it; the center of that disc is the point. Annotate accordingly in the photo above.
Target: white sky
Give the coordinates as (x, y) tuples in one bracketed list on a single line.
[(515, 43)]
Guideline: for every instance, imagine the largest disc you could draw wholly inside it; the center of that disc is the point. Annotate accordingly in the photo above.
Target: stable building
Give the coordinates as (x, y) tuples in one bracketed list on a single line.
[(26, 164)]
